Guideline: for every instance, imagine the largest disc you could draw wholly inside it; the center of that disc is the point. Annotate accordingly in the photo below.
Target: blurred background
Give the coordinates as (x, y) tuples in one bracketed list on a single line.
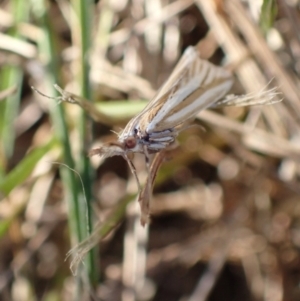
[(225, 212)]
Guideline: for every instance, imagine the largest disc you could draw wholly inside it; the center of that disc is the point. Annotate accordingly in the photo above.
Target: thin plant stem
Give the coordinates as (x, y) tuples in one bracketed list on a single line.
[(11, 75), (81, 34), (49, 50)]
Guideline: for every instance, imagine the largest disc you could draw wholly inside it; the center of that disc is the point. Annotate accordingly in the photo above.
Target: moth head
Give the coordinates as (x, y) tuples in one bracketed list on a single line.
[(130, 142)]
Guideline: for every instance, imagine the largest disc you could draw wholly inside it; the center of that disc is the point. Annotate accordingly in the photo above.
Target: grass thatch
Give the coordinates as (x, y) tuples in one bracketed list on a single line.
[(225, 206)]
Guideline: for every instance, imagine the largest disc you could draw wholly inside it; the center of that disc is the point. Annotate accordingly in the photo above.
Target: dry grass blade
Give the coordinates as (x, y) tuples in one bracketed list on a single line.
[(210, 277), (135, 254), (139, 28), (89, 107), (116, 78), (266, 57), (17, 46), (266, 142), (78, 253)]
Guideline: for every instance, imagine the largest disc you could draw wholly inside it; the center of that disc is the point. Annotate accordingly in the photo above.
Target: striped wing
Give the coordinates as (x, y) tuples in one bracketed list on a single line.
[(147, 114), (194, 85)]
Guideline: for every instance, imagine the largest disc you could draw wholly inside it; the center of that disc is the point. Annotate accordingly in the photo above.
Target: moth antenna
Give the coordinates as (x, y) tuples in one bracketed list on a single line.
[(117, 133), (147, 158)]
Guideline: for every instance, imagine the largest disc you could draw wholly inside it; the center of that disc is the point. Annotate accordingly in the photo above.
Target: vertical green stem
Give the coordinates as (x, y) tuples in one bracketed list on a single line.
[(49, 50), (84, 16), (11, 75)]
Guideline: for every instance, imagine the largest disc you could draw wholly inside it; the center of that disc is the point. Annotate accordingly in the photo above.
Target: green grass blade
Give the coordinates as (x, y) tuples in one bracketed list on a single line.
[(11, 76), (22, 171), (84, 13), (49, 51), (268, 14)]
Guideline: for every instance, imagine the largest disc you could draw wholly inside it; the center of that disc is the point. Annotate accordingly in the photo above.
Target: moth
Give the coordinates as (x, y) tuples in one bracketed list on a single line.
[(194, 85)]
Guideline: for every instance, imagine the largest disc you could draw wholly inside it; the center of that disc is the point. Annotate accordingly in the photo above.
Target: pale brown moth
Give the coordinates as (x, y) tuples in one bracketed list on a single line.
[(194, 85)]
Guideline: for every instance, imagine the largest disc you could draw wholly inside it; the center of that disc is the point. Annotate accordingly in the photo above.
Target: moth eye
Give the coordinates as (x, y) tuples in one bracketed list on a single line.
[(130, 142)]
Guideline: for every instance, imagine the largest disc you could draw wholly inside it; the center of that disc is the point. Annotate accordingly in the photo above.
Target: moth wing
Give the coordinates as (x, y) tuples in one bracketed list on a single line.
[(146, 115), (263, 97), (188, 57), (194, 85)]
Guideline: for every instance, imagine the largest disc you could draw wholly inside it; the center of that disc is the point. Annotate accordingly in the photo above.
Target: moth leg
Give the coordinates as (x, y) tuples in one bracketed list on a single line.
[(157, 146), (146, 194), (168, 139), (133, 171), (147, 156), (147, 190), (190, 125), (165, 133)]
